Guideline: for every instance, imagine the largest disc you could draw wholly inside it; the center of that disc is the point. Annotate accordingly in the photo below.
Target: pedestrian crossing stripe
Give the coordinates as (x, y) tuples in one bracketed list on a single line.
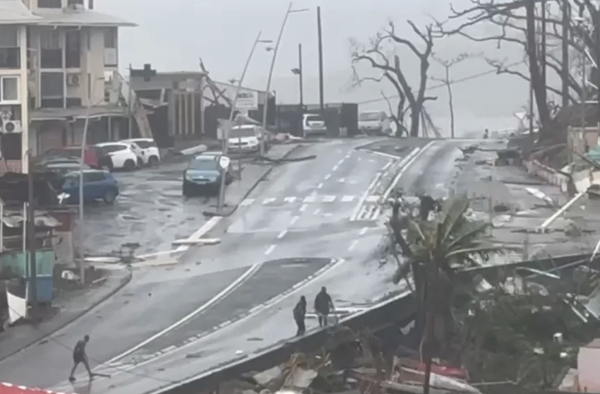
[(310, 200)]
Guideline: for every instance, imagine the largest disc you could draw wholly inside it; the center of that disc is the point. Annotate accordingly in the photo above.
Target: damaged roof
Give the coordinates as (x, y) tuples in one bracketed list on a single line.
[(14, 12)]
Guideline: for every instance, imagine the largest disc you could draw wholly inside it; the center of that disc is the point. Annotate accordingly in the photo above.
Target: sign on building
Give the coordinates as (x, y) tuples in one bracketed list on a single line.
[(247, 99)]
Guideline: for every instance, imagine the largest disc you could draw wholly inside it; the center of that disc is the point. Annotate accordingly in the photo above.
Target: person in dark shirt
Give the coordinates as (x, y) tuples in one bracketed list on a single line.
[(299, 315), (323, 305), (79, 356)]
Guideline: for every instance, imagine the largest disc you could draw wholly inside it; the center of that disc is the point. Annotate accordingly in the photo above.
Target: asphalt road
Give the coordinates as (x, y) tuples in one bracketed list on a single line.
[(236, 297), (304, 212), (150, 211)]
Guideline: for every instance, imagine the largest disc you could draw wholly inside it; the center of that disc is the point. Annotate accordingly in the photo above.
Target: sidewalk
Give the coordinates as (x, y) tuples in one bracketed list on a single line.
[(71, 306)]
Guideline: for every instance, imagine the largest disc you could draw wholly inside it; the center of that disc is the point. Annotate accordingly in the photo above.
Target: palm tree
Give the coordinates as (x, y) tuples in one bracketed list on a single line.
[(434, 250)]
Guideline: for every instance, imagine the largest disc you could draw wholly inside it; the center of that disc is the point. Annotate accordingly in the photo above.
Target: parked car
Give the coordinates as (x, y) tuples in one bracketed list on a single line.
[(121, 155), (97, 185), (246, 138), (91, 156), (146, 151), (374, 122), (64, 167), (203, 175), (313, 124)]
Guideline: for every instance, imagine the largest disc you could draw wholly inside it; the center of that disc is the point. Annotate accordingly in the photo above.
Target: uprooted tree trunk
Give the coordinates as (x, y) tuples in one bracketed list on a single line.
[(375, 57)]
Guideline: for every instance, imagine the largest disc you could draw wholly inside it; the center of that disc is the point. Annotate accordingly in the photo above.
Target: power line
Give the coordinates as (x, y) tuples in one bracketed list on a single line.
[(465, 79)]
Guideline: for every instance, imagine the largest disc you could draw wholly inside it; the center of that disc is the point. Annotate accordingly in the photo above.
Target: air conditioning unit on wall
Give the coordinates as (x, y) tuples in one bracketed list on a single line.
[(11, 127), (73, 79)]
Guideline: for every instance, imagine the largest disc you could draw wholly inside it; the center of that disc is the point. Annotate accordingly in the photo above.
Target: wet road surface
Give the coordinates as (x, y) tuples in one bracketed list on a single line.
[(295, 214), (304, 210), (150, 211)]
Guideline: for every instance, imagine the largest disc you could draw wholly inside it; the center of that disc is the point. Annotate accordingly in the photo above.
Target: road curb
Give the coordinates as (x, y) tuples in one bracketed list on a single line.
[(122, 283), (260, 179)]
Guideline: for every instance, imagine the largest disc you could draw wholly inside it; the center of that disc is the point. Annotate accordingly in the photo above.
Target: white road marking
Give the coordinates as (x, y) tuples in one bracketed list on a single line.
[(347, 198), (294, 220), (372, 199), (327, 176), (316, 212), (342, 180), (289, 199), (226, 291), (282, 234), (246, 202), (340, 162), (199, 233), (405, 165), (352, 245), (335, 167), (364, 197), (364, 230), (310, 199), (270, 250), (320, 185), (387, 166), (268, 201), (303, 207), (360, 159), (256, 310), (329, 199)]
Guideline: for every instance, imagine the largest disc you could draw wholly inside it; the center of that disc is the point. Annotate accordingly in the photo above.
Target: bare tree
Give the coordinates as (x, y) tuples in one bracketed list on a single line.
[(548, 47), (392, 72), (447, 81)]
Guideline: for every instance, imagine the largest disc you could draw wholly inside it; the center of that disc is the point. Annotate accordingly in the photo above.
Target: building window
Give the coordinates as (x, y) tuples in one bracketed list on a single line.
[(110, 37), (52, 90), (10, 53), (9, 90), (73, 48), (50, 43), (49, 3)]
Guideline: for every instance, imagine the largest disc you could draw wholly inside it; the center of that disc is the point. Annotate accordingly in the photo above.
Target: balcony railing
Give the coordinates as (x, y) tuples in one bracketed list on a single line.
[(51, 58), (10, 57)]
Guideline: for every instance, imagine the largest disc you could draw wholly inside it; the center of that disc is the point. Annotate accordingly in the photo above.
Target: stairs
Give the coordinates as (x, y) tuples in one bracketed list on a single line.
[(137, 109)]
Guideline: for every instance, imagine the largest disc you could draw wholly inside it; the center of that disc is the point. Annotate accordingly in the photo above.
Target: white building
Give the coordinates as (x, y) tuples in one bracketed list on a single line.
[(57, 57)]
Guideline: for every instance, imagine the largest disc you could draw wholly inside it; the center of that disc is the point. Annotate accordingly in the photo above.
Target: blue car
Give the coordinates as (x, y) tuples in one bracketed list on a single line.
[(97, 185)]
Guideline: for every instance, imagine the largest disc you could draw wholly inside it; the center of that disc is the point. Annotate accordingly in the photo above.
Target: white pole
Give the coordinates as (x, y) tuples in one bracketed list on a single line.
[(275, 50), (225, 135), (552, 218)]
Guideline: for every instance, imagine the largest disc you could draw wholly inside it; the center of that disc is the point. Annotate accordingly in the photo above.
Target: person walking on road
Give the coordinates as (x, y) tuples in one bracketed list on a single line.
[(80, 356), (323, 305), (299, 316)]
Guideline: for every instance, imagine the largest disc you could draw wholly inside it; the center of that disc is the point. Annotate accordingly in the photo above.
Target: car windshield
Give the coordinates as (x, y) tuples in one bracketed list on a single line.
[(64, 168), (203, 164), (145, 144), (369, 116), (314, 118), (242, 132)]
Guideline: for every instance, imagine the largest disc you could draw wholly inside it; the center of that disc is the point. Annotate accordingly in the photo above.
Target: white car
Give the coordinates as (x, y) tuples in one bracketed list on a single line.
[(376, 122), (121, 155), (146, 151), (313, 124), (245, 138)]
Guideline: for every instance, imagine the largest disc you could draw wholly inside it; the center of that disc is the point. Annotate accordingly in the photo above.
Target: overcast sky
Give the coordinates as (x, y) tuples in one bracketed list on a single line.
[(173, 34)]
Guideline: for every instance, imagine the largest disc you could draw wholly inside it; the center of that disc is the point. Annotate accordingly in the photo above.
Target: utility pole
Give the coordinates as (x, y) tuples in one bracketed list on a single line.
[(321, 88), (31, 238), (300, 76), (130, 107), (543, 48)]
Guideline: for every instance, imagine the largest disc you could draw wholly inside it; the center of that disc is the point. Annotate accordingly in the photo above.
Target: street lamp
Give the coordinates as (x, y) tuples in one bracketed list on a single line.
[(275, 50), (299, 73), (81, 167), (231, 114)]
